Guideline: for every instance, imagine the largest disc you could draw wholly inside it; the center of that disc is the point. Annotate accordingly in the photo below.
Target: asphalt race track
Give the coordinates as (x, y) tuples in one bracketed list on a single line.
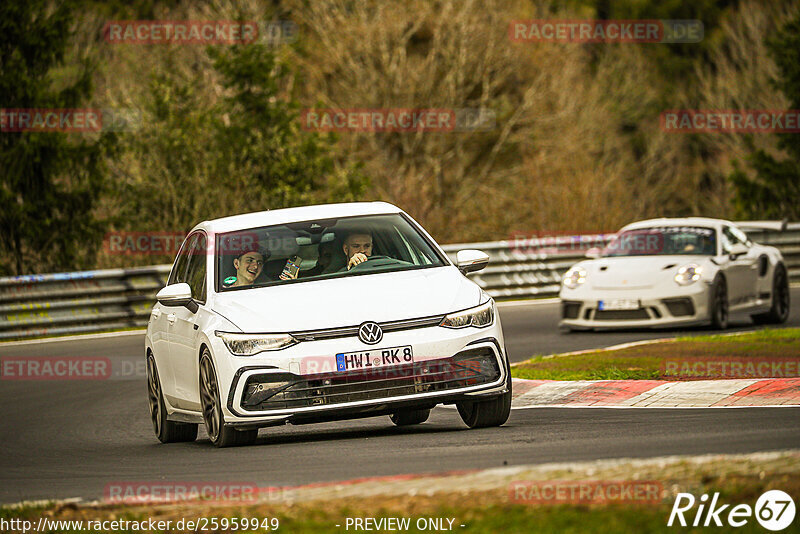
[(533, 330), (66, 439)]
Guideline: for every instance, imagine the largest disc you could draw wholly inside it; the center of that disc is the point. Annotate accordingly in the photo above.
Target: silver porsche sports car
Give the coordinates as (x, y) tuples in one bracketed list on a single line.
[(666, 272)]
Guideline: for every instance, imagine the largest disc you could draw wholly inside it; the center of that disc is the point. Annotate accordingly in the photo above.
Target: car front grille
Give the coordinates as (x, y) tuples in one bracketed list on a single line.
[(620, 315), (286, 391), (352, 331)]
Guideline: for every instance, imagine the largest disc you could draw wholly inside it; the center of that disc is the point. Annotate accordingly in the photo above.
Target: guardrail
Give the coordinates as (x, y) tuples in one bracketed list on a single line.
[(87, 301)]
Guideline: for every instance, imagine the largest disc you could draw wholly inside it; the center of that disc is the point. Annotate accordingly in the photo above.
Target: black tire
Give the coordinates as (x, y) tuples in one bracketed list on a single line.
[(166, 431), (718, 304), (410, 417), (779, 311), (493, 412), (220, 434)]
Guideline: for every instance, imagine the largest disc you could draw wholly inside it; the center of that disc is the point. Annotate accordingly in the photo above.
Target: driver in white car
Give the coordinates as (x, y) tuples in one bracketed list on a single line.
[(357, 248)]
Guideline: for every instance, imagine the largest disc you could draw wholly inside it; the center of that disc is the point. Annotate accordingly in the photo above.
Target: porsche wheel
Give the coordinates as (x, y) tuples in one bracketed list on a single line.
[(719, 304), (779, 312), (219, 434)]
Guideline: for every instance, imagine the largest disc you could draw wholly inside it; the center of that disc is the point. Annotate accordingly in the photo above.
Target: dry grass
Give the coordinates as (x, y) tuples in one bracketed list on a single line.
[(576, 148), (488, 507)]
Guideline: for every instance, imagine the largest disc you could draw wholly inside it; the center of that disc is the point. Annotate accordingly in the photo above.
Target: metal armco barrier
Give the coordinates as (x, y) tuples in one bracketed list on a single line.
[(67, 303)]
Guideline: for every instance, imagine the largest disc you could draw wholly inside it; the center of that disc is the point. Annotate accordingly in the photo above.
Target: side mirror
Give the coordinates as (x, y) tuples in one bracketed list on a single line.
[(177, 295), (469, 261), (593, 253), (738, 249)]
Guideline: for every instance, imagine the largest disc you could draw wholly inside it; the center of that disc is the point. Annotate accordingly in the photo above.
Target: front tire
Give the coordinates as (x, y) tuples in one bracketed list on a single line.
[(483, 414), (779, 312), (219, 434), (410, 417), (166, 431), (719, 304)]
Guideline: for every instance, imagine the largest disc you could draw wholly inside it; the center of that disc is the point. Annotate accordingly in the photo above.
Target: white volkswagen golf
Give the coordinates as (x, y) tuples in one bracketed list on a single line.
[(320, 313)]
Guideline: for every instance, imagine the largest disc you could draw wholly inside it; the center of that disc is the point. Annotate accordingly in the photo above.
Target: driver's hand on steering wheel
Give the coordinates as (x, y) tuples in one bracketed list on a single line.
[(358, 257)]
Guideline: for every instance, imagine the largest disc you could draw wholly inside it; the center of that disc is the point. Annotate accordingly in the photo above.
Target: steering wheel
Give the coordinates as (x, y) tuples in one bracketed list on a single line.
[(371, 261)]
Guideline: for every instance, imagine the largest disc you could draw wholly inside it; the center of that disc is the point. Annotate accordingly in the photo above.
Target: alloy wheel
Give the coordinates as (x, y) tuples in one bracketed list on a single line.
[(208, 397), (154, 395), (782, 295)]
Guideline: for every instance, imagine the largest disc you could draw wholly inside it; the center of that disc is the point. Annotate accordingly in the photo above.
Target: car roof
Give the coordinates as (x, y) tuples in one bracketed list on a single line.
[(678, 221), (287, 215)]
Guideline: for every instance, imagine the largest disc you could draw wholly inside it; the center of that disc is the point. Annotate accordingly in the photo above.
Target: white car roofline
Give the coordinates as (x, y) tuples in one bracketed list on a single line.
[(298, 214), (677, 221)]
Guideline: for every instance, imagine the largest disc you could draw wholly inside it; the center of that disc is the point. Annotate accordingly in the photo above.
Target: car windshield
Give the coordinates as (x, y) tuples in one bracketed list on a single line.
[(313, 250), (663, 241)]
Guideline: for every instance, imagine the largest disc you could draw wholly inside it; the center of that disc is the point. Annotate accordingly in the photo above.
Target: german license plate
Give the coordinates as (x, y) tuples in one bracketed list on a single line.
[(618, 304), (376, 358)]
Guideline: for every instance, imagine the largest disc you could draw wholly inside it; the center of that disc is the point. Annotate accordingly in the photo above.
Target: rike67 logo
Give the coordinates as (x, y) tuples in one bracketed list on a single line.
[(774, 511)]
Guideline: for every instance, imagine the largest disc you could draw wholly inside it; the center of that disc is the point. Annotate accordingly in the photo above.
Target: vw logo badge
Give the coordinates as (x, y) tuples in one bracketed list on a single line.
[(370, 333)]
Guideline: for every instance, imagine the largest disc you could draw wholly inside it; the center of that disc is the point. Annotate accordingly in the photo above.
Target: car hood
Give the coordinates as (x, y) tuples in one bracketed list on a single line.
[(635, 272), (348, 301)]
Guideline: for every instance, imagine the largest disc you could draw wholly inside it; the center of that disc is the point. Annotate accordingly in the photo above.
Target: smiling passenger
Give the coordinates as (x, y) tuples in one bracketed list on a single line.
[(248, 267)]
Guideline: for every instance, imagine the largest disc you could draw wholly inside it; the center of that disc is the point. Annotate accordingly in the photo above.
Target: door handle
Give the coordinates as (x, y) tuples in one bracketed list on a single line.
[(171, 318)]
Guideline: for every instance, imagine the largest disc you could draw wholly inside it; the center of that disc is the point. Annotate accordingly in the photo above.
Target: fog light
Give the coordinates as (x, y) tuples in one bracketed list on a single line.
[(258, 392)]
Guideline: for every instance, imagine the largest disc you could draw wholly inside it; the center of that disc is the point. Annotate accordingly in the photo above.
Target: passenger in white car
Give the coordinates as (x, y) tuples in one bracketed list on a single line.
[(248, 265)]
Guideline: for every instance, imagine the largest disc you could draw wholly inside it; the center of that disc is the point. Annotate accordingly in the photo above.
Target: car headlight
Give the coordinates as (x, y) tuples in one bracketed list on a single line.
[(249, 344), (574, 277), (688, 274), (480, 317)]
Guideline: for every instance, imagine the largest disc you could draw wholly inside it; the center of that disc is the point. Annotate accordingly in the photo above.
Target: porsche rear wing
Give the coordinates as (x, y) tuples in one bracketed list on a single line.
[(775, 226)]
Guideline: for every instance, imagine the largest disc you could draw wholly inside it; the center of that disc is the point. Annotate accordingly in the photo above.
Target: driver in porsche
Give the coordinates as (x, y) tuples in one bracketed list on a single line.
[(357, 248)]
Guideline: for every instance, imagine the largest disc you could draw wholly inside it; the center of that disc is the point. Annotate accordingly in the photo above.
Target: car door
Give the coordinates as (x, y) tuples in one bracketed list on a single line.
[(184, 331), (741, 271), (163, 319), (169, 317), (749, 263)]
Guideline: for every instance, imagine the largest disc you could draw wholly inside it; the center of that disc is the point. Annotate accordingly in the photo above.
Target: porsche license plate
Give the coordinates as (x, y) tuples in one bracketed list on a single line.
[(371, 359), (619, 304)]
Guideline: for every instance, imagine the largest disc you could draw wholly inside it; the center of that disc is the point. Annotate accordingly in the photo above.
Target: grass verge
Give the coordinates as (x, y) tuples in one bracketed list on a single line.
[(647, 362), (490, 509)]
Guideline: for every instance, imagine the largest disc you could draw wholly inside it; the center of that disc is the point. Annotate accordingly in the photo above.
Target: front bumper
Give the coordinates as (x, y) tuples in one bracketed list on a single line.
[(658, 307), (300, 384)]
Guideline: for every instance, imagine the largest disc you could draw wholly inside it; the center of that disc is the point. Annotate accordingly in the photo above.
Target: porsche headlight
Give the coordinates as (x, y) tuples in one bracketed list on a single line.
[(688, 274), (574, 277), (480, 317), (249, 344)]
